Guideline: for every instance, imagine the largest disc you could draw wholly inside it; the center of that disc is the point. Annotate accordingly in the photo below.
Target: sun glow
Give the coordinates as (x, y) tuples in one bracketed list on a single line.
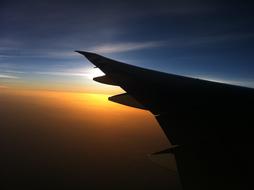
[(73, 100), (94, 72), (94, 109)]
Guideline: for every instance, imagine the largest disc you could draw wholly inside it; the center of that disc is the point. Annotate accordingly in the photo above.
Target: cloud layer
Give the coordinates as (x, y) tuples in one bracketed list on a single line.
[(8, 76), (126, 46)]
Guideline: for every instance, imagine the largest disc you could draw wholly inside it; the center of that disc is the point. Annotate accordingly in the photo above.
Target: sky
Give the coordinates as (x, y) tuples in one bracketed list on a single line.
[(212, 40), (57, 128)]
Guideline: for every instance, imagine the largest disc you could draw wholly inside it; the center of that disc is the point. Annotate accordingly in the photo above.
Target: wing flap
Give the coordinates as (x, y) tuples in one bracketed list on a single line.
[(104, 80), (127, 100)]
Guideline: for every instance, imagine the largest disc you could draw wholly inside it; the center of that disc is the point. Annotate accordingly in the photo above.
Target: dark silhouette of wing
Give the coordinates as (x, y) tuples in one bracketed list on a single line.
[(209, 123)]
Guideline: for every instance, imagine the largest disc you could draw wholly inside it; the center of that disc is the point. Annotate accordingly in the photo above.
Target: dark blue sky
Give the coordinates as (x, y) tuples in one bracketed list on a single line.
[(205, 39)]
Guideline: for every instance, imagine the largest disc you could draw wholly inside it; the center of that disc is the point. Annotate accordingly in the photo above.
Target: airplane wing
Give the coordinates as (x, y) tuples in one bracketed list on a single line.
[(208, 123)]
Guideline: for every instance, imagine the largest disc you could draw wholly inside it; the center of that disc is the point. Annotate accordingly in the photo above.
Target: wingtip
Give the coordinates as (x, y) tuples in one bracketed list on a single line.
[(77, 51), (90, 56), (84, 52)]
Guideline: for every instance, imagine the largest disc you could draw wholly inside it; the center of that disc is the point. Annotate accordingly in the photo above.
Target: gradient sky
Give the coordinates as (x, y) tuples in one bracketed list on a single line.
[(82, 139), (205, 39)]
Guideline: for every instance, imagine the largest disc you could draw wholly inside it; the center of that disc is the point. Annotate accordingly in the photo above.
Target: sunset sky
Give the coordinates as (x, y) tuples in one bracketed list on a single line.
[(55, 121)]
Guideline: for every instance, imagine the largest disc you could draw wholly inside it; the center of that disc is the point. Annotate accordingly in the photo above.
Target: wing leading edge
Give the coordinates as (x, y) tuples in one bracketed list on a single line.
[(204, 118)]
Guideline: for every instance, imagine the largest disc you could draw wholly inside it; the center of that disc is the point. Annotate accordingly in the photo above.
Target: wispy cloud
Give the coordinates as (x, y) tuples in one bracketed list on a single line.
[(91, 73), (61, 74), (88, 73), (8, 76), (169, 43), (4, 56), (15, 50), (63, 53), (14, 71), (247, 82), (124, 47), (198, 41)]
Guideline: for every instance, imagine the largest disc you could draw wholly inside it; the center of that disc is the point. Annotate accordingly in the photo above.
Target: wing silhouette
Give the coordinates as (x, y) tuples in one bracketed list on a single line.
[(209, 124)]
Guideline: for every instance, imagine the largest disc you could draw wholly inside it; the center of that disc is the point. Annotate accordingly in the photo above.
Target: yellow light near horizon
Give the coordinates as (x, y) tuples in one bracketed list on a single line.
[(73, 100), (68, 115), (82, 112)]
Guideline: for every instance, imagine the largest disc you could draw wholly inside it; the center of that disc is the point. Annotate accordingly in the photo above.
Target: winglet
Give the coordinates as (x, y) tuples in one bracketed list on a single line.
[(89, 55), (94, 58)]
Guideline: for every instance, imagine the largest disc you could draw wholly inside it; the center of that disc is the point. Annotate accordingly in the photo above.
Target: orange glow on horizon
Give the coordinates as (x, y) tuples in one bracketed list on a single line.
[(81, 105), (91, 115)]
